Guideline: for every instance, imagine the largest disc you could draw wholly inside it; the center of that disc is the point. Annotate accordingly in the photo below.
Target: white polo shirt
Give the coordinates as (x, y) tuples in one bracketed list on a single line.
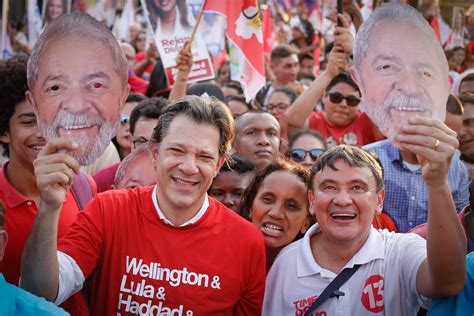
[(385, 284)]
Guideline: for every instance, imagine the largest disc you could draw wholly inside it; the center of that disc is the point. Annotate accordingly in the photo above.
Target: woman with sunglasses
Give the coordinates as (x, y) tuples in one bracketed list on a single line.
[(277, 203), (340, 122), (306, 146)]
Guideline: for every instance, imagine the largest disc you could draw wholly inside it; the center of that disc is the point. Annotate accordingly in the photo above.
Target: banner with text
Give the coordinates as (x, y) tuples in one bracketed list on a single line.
[(172, 24)]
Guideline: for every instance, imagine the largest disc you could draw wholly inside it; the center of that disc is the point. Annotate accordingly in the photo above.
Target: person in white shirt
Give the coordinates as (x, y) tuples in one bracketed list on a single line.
[(398, 272)]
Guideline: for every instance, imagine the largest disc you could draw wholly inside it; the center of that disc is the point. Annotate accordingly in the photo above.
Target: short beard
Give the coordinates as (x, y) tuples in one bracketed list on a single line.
[(380, 113), (89, 149)]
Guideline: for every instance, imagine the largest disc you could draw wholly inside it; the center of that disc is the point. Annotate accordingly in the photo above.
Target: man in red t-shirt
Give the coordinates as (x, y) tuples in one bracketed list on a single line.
[(162, 249)]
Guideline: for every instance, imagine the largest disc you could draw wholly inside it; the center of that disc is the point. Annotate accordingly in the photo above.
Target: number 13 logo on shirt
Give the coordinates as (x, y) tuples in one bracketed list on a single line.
[(372, 296)]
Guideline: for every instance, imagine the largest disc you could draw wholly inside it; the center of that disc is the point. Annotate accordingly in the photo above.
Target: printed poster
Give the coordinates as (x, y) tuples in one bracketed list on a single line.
[(172, 23)]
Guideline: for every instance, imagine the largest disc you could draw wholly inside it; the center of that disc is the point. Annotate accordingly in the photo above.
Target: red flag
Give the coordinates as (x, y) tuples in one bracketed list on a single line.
[(317, 55), (435, 24), (267, 32), (244, 30)]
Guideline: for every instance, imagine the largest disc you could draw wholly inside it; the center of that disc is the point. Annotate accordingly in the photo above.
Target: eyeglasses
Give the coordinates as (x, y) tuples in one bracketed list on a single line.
[(124, 119), (299, 155), (351, 100), (279, 106)]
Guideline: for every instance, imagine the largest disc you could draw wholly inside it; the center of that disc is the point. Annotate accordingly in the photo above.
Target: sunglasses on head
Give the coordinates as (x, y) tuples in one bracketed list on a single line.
[(351, 100), (299, 155)]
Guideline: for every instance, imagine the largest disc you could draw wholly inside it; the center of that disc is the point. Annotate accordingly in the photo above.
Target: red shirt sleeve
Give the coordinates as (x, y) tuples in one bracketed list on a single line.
[(84, 239), (313, 120)]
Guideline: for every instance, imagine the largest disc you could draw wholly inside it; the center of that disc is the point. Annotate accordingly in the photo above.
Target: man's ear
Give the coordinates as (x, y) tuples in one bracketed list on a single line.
[(5, 138), (31, 100), (310, 199), (356, 76), (124, 97), (220, 163), (153, 152), (306, 224), (271, 66), (380, 198)]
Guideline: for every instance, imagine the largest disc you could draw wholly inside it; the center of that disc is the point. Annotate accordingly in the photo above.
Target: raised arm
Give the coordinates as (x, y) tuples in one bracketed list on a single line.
[(151, 57), (297, 114), (343, 36), (184, 63), (443, 273), (54, 171)]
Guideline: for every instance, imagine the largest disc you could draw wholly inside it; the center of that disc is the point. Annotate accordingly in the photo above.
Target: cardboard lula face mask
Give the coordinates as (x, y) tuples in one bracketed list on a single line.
[(79, 95), (403, 74)]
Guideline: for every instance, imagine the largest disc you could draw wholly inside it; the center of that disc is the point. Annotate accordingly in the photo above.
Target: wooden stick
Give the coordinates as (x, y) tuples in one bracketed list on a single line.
[(68, 6), (198, 19), (44, 8), (4, 27)]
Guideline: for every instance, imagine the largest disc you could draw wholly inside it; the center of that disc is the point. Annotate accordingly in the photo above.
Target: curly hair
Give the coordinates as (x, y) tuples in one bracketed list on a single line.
[(12, 91), (278, 165)]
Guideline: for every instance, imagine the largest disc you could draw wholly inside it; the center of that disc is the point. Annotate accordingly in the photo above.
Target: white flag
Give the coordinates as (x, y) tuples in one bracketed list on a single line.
[(34, 22), (6, 51), (126, 20)]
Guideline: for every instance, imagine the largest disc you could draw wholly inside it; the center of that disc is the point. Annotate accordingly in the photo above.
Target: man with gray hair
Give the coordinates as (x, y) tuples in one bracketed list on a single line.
[(77, 80), (135, 170), (402, 72)]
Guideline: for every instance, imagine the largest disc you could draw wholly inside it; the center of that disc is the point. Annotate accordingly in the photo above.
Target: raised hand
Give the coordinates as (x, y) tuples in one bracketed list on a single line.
[(337, 61), (351, 8), (343, 36), (54, 171), (434, 145), (184, 61)]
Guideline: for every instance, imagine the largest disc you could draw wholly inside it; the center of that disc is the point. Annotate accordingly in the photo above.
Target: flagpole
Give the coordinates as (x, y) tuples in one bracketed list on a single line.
[(198, 19), (5, 35), (43, 9)]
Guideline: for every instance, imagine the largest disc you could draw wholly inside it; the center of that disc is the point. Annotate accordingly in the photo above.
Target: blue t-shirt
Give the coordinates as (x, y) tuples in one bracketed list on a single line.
[(461, 304), (16, 301)]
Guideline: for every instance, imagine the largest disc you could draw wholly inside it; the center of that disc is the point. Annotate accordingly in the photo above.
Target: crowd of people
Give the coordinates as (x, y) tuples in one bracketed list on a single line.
[(121, 194)]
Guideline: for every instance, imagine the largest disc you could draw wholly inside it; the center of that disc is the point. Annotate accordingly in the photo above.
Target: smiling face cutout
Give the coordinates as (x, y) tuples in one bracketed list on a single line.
[(401, 76)]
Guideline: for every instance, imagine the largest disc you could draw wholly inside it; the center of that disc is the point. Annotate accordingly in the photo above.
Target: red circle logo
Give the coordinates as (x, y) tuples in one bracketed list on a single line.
[(372, 295)]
